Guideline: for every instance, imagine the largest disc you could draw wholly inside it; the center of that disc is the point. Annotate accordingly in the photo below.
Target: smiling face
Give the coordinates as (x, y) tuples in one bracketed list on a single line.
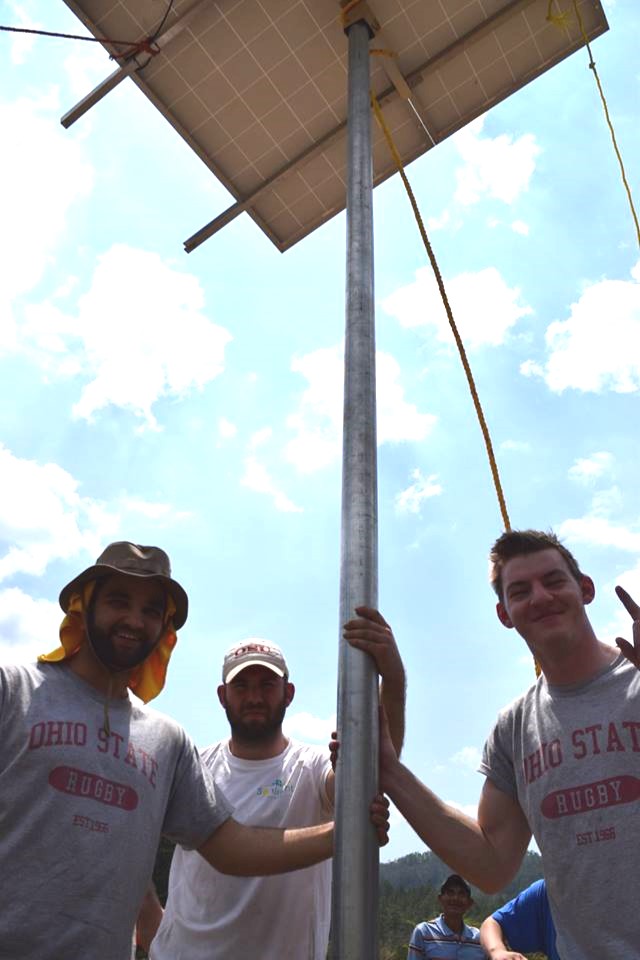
[(454, 902), (255, 702), (545, 603), (125, 620)]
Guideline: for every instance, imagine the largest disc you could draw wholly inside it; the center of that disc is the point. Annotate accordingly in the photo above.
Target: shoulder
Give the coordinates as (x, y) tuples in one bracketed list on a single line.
[(513, 712), (22, 676), (430, 929), (472, 933), (307, 752), (214, 752)]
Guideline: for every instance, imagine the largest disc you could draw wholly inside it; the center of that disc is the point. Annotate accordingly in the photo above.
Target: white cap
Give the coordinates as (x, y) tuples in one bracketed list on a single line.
[(250, 653)]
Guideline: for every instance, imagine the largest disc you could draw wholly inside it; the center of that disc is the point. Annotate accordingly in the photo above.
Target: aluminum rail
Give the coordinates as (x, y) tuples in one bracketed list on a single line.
[(131, 66), (354, 933)]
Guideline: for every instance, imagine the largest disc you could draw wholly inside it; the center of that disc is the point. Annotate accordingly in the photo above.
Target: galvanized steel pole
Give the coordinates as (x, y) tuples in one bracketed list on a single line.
[(355, 866)]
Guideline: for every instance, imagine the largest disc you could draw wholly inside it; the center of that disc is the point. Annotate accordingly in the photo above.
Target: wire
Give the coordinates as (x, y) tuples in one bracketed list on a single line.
[(67, 36), (158, 31), (135, 46)]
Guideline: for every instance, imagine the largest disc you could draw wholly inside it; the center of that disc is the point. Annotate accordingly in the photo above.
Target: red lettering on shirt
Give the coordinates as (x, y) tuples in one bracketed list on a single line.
[(590, 796), (79, 783)]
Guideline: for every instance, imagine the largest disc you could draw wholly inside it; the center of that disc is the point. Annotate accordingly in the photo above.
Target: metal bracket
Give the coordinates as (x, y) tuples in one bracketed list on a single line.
[(357, 11)]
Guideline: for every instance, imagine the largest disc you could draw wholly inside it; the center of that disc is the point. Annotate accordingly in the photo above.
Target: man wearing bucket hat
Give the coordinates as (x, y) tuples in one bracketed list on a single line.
[(273, 781), (89, 779)]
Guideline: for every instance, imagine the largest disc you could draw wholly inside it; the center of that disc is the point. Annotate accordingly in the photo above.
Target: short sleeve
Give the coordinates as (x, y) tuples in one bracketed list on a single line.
[(416, 944), (520, 921), (196, 805), (497, 756)]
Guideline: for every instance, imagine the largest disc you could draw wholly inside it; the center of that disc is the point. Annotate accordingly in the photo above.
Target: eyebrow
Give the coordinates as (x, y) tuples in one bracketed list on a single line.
[(545, 576), (117, 593)]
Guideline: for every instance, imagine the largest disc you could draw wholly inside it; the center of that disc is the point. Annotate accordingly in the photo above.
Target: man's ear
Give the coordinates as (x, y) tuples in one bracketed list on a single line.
[(289, 693), (222, 695), (503, 616), (588, 588)]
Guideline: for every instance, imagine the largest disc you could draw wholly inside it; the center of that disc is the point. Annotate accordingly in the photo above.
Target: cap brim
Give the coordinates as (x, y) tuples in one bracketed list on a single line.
[(98, 570), (252, 663)]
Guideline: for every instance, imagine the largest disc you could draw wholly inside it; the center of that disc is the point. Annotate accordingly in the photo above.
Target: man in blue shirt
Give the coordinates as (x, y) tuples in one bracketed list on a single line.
[(448, 937), (524, 924)]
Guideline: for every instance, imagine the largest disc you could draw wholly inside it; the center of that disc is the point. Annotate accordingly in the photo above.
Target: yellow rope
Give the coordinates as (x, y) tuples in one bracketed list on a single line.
[(463, 356), (560, 20)]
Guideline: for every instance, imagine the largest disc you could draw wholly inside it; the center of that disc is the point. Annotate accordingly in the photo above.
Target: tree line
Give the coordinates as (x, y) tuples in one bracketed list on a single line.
[(409, 890)]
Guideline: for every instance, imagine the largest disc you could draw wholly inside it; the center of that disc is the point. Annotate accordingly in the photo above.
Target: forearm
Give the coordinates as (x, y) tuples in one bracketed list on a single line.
[(450, 834), (492, 941), (393, 692), (149, 919), (491, 935), (244, 851)]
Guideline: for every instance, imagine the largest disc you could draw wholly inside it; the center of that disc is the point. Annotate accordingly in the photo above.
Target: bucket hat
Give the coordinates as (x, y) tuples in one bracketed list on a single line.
[(132, 560)]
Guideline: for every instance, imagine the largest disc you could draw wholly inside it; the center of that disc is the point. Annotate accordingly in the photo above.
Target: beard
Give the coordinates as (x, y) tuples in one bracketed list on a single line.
[(108, 653), (259, 730)]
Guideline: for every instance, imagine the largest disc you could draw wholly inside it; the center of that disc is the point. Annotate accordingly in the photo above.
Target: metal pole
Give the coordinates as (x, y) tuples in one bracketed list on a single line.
[(355, 865)]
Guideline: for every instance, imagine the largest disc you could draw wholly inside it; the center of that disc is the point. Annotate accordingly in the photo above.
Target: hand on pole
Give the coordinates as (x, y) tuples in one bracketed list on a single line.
[(379, 813), (371, 632)]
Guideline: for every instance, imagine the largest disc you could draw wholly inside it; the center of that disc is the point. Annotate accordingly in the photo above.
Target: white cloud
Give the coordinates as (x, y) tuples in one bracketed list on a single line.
[(85, 67), (256, 477), (467, 757), (260, 437), (304, 726), (317, 423), (587, 469), (519, 226), (140, 334), (28, 627), (516, 446), (598, 347), (422, 488), (35, 209), (499, 167), (483, 305), (43, 517), (470, 809), (154, 511), (606, 502), (599, 531), (21, 44), (437, 223), (226, 429)]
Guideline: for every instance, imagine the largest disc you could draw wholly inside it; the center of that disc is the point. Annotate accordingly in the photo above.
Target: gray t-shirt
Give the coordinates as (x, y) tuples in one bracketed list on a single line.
[(571, 757), (81, 812)]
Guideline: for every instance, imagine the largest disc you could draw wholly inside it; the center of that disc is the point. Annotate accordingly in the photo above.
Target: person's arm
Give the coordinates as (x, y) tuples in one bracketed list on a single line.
[(371, 632), (149, 917), (492, 941), (244, 851), (487, 851), (416, 944)]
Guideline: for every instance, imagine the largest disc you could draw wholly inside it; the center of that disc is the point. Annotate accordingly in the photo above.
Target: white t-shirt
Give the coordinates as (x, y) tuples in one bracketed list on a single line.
[(209, 915)]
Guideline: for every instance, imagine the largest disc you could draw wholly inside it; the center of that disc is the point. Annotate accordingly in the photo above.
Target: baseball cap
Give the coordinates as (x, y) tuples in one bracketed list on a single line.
[(250, 653), (455, 880)]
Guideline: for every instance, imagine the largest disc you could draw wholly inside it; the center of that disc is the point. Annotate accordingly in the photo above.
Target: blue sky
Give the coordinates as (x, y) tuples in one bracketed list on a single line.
[(195, 401)]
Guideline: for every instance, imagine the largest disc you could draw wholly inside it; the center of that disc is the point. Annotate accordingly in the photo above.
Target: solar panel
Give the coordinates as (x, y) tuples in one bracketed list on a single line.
[(257, 88)]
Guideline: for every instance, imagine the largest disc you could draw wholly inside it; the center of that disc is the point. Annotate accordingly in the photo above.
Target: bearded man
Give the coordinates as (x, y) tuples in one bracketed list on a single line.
[(271, 781)]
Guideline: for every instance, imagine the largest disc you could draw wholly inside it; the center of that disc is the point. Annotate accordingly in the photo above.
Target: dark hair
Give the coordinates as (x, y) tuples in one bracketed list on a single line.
[(518, 543)]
